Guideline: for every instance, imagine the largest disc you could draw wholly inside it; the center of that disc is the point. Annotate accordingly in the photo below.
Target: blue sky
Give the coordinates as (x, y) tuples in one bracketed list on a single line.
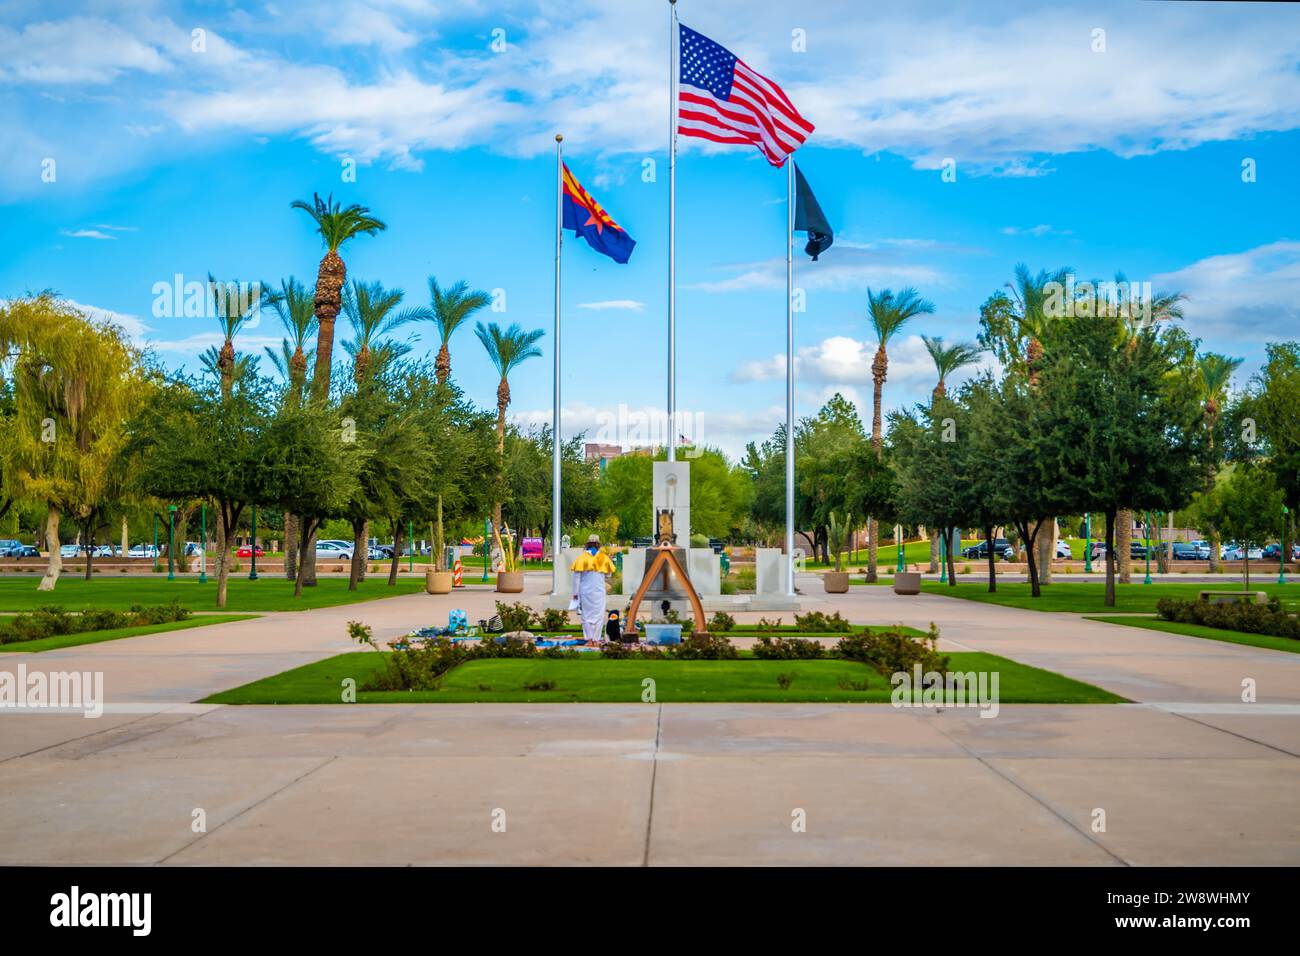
[(170, 159)]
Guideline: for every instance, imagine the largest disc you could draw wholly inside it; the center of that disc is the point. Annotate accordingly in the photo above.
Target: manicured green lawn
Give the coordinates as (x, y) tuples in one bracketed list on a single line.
[(94, 637), (264, 594), (595, 680), (1212, 633), (1088, 597)]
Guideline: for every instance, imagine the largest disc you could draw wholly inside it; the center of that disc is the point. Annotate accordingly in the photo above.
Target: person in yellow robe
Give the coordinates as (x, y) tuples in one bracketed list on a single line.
[(590, 572)]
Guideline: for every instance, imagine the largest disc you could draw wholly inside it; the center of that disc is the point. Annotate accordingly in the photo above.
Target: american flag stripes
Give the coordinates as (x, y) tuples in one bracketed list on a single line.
[(723, 100)]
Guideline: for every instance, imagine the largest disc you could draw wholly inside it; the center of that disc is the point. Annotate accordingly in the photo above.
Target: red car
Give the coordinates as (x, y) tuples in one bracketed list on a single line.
[(247, 552)]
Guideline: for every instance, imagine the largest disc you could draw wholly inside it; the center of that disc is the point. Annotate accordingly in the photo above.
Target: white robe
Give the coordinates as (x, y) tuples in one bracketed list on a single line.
[(589, 592)]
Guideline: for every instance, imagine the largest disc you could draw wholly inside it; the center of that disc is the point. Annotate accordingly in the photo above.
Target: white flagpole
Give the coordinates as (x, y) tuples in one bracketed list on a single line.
[(555, 397), (789, 377), (672, 232)]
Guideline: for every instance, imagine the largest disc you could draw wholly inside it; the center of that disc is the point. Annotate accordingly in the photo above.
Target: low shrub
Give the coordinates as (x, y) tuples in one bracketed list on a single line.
[(891, 651), (622, 652), (54, 620), (788, 649), (704, 647), (550, 620), (515, 617), (766, 625), (784, 680), (1245, 616), (721, 622), (816, 622), (539, 685)]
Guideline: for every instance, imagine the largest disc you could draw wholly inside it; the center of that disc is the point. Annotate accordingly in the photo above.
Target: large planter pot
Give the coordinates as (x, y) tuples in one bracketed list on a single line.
[(907, 582), (510, 582), (835, 582), (437, 582)]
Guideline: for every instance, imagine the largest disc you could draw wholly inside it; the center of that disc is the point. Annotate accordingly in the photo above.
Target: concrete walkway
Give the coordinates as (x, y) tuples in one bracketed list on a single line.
[(1188, 774)]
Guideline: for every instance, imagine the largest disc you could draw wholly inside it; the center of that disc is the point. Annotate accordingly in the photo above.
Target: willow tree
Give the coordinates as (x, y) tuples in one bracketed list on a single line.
[(75, 384)]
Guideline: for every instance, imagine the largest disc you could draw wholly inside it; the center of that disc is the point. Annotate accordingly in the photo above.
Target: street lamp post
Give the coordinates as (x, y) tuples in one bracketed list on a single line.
[(898, 544), (203, 544), (1087, 543), (252, 548), (943, 556), (1281, 549), (1146, 542), (171, 542)]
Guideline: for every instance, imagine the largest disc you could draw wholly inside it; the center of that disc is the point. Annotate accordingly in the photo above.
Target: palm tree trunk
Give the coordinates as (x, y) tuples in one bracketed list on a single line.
[(365, 551), (1111, 545), (126, 537), (329, 287), (879, 367), (55, 565), (503, 400), (442, 364), (934, 552)]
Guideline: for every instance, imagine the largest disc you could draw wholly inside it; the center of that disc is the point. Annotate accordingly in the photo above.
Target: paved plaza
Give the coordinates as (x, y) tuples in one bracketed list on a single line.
[(1187, 774)]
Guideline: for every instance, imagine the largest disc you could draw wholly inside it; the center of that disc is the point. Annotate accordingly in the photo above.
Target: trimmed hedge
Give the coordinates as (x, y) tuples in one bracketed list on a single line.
[(1245, 616), (54, 620)]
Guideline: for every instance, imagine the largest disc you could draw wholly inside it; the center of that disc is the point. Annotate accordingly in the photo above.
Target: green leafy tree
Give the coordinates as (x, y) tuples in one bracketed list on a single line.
[(1214, 375), (1247, 508), (1117, 420)]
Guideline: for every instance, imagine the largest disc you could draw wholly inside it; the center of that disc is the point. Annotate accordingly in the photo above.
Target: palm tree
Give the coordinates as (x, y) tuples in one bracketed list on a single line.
[(234, 303), (370, 311), (1214, 372), (949, 359), (1032, 295), (888, 312), (336, 225), (449, 308), (210, 360), (506, 350), (295, 307)]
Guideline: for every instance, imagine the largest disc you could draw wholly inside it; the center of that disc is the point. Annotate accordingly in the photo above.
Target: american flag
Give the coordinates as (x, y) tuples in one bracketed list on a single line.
[(723, 100)]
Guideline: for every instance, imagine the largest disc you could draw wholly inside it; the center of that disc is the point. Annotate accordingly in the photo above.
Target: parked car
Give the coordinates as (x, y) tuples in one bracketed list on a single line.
[(246, 552), (1237, 553), (1001, 547), (142, 551), (377, 553), (1063, 549), (1186, 552), (8, 545), (70, 551), (333, 551), (23, 551), (1272, 552)]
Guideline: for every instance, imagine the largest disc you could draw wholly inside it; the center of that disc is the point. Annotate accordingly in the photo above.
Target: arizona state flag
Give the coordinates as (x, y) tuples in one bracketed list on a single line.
[(587, 219)]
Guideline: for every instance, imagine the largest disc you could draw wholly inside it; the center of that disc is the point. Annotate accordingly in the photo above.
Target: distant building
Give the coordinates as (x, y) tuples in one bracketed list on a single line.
[(595, 451)]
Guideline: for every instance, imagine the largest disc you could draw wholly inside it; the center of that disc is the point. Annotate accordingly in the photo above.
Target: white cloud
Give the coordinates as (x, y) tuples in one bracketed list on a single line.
[(846, 266), (996, 89), (1040, 230), (628, 305), (1248, 296), (77, 50), (85, 234), (843, 364)]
